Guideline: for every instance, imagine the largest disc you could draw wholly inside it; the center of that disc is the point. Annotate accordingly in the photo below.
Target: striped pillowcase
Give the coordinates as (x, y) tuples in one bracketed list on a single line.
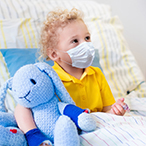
[(35, 9), (26, 18), (4, 75), (22, 33), (117, 61)]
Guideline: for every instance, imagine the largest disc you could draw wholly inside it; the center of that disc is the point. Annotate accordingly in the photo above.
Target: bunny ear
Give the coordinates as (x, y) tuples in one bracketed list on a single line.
[(3, 92), (58, 85), (9, 83)]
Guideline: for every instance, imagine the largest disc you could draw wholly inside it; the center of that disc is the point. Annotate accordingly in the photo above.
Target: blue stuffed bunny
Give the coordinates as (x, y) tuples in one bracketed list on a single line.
[(10, 134), (38, 87)]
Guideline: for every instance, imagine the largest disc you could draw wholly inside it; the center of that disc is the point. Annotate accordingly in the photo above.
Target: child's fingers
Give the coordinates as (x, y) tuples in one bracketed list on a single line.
[(122, 103), (118, 109), (45, 144), (121, 100), (112, 111)]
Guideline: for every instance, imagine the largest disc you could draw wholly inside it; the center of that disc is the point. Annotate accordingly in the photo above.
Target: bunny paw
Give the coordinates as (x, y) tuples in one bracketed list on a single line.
[(86, 122)]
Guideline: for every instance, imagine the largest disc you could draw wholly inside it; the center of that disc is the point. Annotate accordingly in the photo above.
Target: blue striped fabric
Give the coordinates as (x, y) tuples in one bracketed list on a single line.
[(115, 130)]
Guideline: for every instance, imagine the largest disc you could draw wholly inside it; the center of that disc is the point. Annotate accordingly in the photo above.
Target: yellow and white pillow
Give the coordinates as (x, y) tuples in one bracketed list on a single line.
[(117, 61), (4, 75)]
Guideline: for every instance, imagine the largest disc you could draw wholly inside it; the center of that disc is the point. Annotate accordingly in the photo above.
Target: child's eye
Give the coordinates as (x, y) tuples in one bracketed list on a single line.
[(87, 38), (75, 41)]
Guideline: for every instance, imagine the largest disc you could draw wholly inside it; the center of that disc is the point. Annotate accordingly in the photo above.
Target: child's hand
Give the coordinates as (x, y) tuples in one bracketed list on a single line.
[(118, 107), (45, 144)]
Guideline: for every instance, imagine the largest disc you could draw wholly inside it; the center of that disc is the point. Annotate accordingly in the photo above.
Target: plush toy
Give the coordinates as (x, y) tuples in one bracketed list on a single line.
[(38, 87), (10, 134)]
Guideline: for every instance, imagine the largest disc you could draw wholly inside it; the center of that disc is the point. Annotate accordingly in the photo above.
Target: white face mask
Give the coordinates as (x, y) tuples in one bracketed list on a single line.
[(82, 55)]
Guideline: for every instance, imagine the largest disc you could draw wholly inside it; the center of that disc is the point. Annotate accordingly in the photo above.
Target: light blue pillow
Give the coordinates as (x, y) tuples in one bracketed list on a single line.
[(16, 58)]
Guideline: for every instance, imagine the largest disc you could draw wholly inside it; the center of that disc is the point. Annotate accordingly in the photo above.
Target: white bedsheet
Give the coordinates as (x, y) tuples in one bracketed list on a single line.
[(115, 130)]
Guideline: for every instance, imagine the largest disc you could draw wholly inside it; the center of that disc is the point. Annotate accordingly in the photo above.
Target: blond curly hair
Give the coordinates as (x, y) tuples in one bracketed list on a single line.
[(54, 20)]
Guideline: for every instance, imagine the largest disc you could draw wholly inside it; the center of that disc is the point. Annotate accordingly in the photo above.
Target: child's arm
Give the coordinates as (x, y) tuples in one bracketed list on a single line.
[(117, 108), (24, 118), (26, 123)]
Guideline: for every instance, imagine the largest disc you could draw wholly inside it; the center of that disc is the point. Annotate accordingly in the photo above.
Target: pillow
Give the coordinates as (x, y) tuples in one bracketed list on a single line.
[(16, 58), (22, 33), (4, 75), (117, 61), (25, 24), (39, 9)]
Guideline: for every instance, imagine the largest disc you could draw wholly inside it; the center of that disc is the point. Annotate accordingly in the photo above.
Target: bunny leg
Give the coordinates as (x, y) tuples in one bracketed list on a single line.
[(7, 119), (65, 133), (86, 122), (12, 136), (83, 120)]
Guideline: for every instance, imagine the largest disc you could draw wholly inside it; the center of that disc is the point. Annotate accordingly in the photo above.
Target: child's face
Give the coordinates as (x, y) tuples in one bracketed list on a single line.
[(71, 36)]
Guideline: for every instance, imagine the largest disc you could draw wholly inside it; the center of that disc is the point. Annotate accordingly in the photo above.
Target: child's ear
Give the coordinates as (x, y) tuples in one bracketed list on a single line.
[(53, 55)]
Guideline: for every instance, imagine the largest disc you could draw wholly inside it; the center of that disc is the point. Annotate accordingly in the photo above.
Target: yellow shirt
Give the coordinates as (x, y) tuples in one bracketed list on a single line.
[(90, 91)]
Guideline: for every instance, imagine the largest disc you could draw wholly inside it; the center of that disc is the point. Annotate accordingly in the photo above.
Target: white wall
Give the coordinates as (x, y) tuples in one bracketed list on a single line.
[(132, 14)]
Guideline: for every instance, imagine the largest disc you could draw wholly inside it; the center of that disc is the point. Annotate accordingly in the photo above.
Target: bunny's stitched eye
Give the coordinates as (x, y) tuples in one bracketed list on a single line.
[(33, 81)]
